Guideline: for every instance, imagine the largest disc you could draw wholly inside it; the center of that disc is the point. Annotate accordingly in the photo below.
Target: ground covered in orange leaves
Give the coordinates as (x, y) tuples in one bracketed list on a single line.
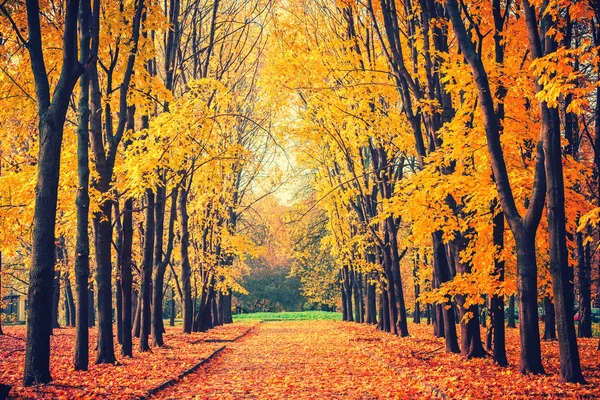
[(301, 359), (319, 359), (131, 378), (422, 357), (295, 359)]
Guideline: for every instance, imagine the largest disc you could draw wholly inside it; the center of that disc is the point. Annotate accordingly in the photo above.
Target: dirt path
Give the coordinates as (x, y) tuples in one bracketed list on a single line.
[(303, 359)]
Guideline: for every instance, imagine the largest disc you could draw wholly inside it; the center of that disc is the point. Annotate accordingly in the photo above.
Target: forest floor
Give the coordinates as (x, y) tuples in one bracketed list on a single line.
[(128, 379), (300, 360), (327, 359)]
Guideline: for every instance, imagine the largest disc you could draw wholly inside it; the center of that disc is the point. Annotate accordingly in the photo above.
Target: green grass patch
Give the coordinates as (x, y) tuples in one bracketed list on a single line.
[(288, 316)]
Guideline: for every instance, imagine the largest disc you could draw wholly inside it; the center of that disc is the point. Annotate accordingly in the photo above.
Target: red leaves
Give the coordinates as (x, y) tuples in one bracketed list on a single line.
[(299, 359), (131, 378), (423, 358)]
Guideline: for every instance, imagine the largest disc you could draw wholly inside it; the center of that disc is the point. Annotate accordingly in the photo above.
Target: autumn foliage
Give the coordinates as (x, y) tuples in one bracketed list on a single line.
[(402, 161)]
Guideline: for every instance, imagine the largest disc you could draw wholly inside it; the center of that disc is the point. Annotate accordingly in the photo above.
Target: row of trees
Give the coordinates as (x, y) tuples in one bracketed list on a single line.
[(144, 116), (453, 147)]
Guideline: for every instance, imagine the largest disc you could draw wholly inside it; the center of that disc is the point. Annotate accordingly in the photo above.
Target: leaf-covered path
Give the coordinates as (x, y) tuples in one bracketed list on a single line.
[(300, 359)]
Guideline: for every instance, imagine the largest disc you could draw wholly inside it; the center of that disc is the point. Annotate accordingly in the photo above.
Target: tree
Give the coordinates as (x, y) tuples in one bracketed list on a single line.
[(105, 153), (523, 227), (82, 247), (570, 369), (52, 109)]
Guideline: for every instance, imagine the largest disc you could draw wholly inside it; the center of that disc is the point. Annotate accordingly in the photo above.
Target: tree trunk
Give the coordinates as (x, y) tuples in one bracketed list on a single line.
[(437, 315), (91, 306), (187, 304), (549, 320), (584, 325), (70, 301), (137, 318), (344, 301), (105, 141), (523, 228), (395, 258), (371, 310), (391, 294), (172, 315), (570, 368), (428, 312), (417, 313), (51, 113), (82, 201), (127, 279), (442, 271), (203, 319), (471, 346), (384, 316), (529, 331), (67, 310), (119, 291), (82, 253), (41, 272), (103, 236), (511, 312), (159, 268), (119, 310), (217, 310), (228, 318), (356, 294), (56, 300), (347, 285), (497, 301), (146, 287)]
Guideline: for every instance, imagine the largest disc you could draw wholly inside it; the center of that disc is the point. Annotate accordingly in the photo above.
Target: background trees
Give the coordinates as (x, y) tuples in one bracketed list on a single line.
[(397, 102), (414, 130)]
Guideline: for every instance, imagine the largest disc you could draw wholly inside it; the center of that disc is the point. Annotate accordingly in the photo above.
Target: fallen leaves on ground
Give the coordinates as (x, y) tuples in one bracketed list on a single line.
[(300, 360), (423, 357), (132, 377)]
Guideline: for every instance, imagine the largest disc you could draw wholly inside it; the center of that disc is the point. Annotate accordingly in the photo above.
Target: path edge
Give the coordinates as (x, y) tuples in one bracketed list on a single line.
[(195, 367)]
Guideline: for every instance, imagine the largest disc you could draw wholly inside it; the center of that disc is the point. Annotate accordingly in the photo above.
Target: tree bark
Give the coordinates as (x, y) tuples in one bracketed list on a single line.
[(523, 228), (172, 314), (438, 316), (69, 302), (347, 287), (227, 317), (187, 304), (56, 300), (371, 300), (470, 334), (105, 141), (497, 301), (344, 301), (82, 242), (417, 313), (584, 278), (570, 368), (51, 113), (127, 279), (137, 317), (442, 272), (146, 287), (161, 261), (549, 320), (67, 311), (91, 306), (158, 272)]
